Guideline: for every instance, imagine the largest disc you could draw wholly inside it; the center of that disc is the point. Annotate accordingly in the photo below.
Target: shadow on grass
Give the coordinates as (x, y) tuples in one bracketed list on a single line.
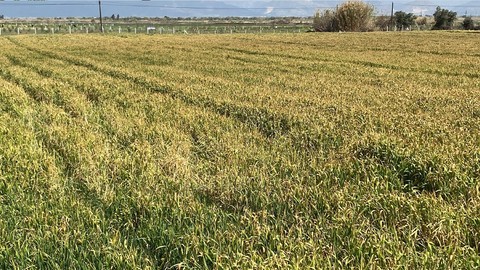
[(413, 172)]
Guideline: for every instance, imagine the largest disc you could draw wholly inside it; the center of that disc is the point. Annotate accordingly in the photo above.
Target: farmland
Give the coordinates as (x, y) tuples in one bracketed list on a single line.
[(331, 150), (155, 26)]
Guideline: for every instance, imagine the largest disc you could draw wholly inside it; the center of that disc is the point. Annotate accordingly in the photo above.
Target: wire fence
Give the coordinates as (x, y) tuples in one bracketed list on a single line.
[(153, 29)]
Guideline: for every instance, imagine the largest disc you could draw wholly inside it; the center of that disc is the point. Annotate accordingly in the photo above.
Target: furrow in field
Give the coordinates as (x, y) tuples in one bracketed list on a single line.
[(61, 118), (198, 143), (64, 147), (267, 123)]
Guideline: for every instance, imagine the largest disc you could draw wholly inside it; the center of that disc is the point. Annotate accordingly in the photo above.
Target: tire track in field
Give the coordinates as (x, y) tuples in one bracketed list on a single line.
[(62, 157), (83, 90), (267, 123), (31, 92), (38, 94), (271, 125), (68, 163), (53, 149)]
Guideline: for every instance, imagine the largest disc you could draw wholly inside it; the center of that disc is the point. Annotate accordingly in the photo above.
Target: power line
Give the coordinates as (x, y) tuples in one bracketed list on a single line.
[(153, 3), (174, 5)]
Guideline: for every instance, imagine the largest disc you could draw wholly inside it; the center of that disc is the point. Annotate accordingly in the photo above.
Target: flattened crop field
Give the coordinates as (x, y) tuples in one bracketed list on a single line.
[(275, 151)]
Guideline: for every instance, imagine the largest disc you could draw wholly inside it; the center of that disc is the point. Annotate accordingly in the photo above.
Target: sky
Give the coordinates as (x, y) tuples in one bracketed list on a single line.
[(213, 8)]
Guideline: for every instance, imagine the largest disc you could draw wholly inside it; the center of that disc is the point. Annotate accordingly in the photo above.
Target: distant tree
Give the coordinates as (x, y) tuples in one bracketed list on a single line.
[(1, 17), (468, 23), (354, 16), (444, 19), (118, 16), (404, 20), (351, 16), (325, 21), (382, 22), (113, 17)]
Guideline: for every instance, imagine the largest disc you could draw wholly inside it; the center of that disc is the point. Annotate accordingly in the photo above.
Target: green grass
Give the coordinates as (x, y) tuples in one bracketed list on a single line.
[(240, 151)]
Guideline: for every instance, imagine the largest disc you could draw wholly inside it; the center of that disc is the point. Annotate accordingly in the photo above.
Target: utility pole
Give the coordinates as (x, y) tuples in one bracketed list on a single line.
[(391, 18), (100, 11)]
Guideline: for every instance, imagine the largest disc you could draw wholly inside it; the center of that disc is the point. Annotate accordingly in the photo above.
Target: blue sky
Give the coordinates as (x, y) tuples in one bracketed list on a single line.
[(217, 8)]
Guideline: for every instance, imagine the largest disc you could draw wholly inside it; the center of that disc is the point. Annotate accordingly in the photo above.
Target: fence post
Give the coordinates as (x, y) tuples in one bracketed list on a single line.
[(1, 31), (135, 30), (18, 30), (119, 30), (69, 29), (53, 30)]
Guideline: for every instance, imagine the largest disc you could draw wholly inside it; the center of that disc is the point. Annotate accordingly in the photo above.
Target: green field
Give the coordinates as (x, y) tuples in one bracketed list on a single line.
[(278, 151)]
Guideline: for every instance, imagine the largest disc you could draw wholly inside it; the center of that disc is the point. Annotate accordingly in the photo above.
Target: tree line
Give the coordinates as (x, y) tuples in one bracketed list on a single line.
[(357, 16)]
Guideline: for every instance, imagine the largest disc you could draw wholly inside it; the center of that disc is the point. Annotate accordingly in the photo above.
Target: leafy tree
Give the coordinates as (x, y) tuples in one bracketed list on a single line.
[(444, 19), (404, 20), (468, 23)]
